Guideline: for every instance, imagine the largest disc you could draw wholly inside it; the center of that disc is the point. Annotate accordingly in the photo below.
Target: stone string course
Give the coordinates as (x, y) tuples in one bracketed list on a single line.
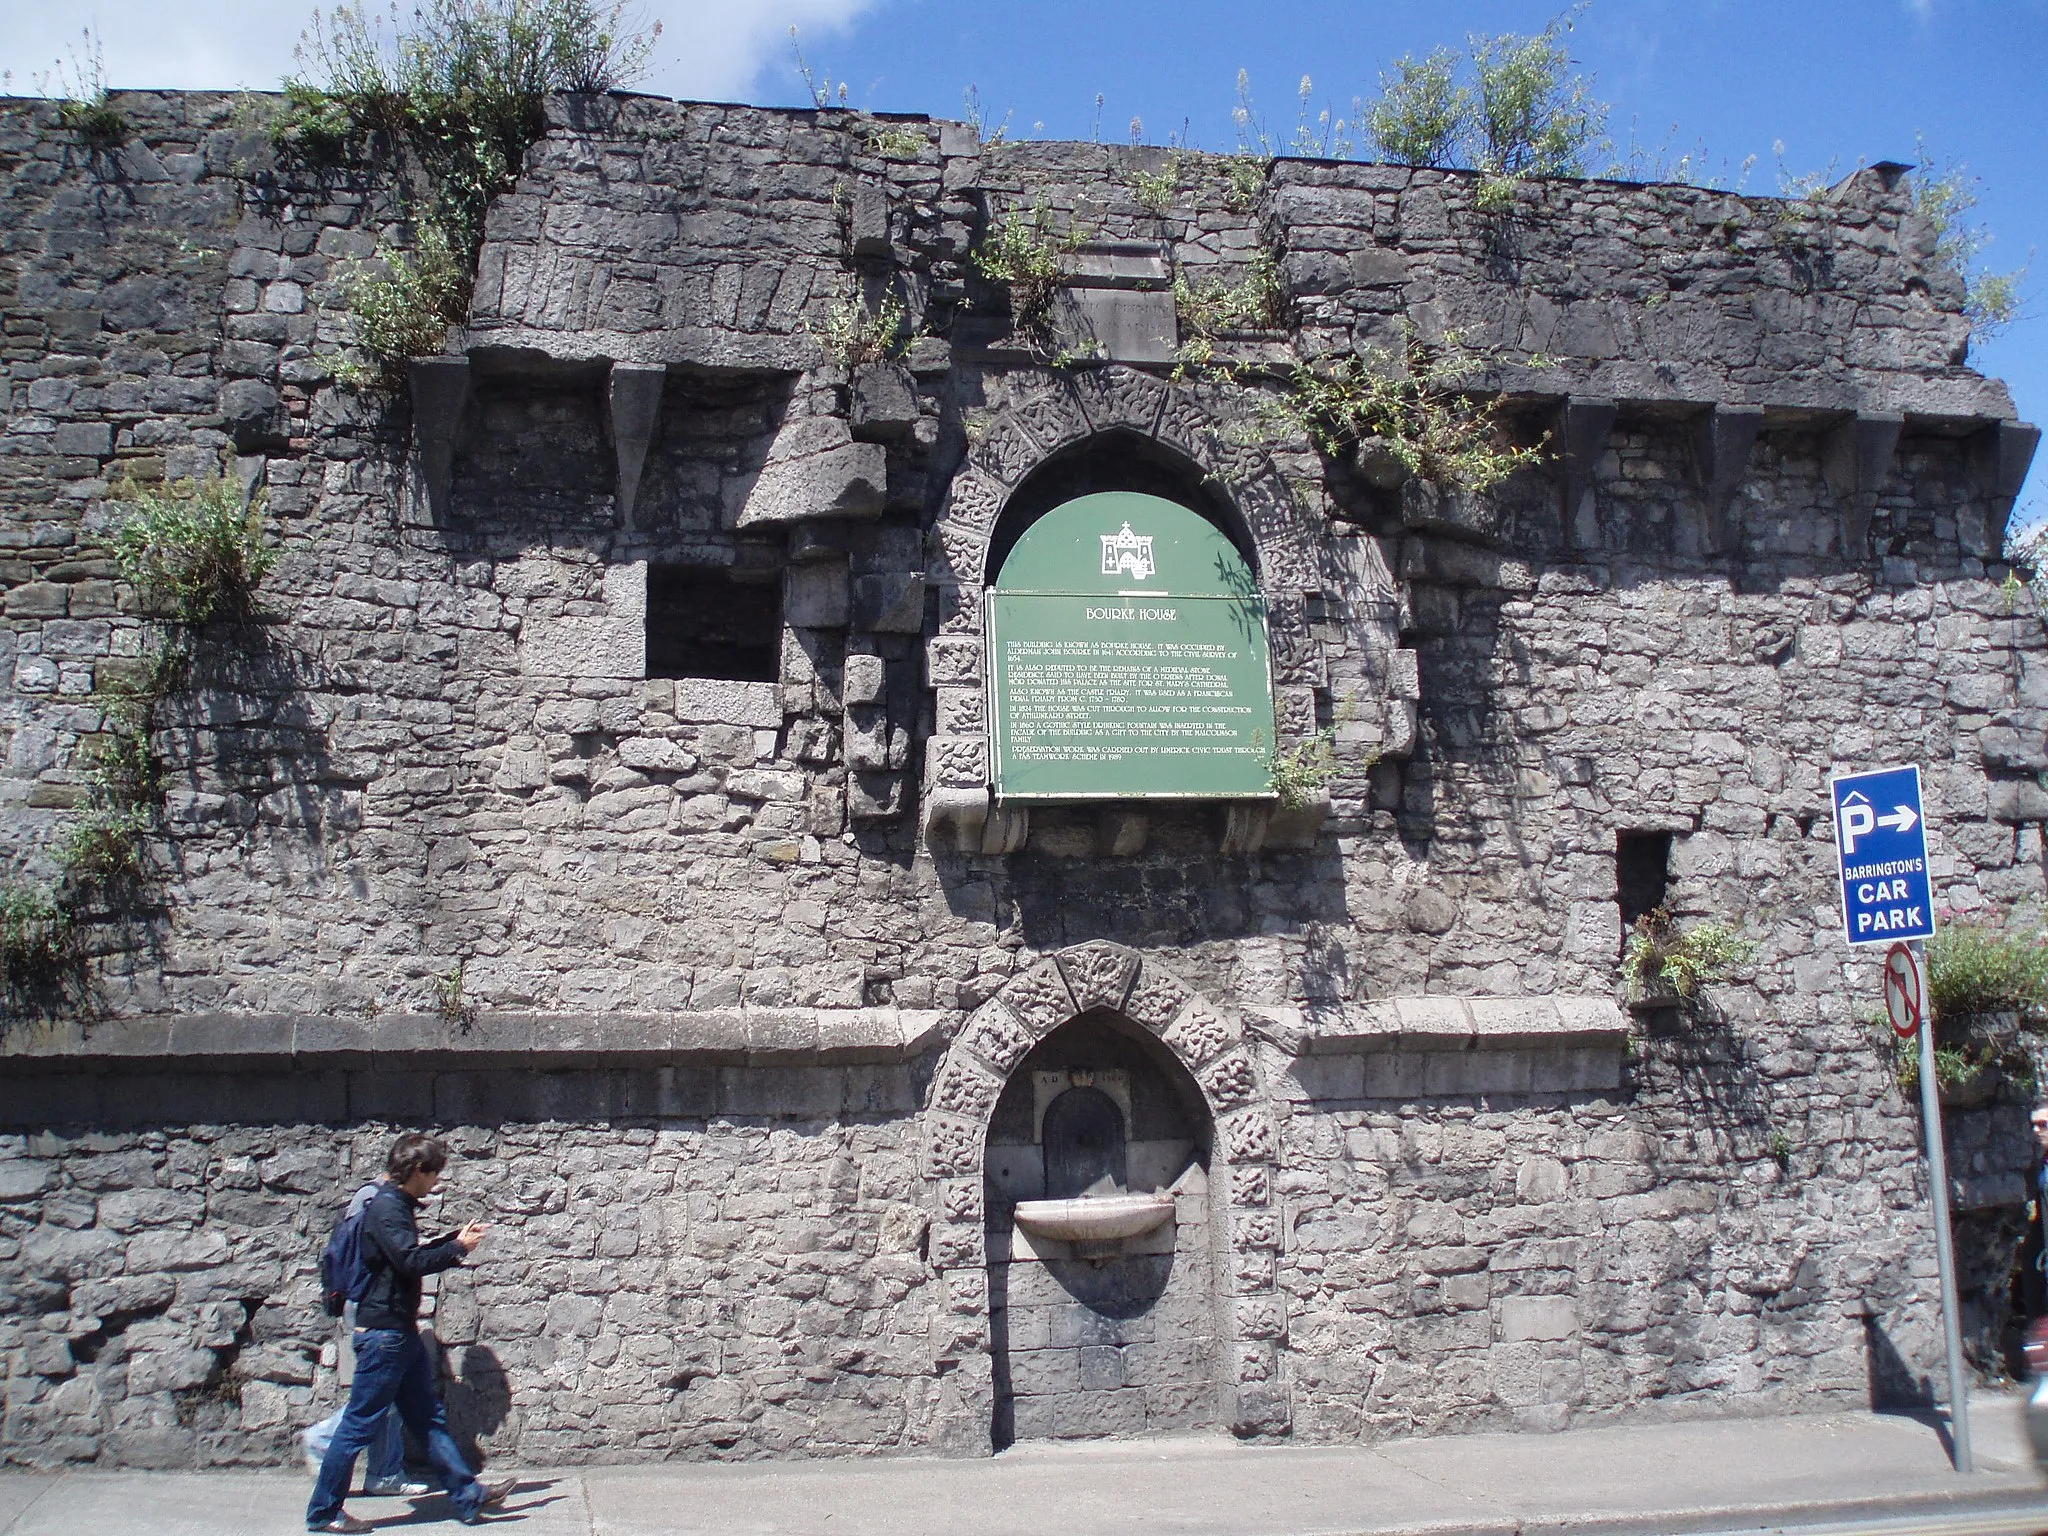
[(438, 748)]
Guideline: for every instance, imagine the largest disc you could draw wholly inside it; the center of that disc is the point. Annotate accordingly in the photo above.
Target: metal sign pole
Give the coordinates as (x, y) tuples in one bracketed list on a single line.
[(1944, 1241)]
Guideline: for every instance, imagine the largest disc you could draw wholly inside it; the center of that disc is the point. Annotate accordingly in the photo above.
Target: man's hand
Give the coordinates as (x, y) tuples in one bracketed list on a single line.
[(470, 1236)]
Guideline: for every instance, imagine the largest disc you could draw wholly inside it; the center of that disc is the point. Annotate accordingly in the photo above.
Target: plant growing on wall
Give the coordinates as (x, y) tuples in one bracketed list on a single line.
[(1031, 256), (1944, 193), (80, 85), (1977, 967), (38, 947), (1208, 309), (1512, 106), (1422, 407), (460, 92), (851, 334), (1661, 954), (194, 550), (1304, 770)]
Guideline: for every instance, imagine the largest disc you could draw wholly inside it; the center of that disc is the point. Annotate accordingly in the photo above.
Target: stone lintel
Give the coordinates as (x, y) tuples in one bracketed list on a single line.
[(228, 1042), (1448, 1024)]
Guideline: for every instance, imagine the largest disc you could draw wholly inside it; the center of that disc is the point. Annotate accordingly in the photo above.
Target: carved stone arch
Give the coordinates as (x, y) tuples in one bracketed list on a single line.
[(1244, 1163), (1370, 683), (1064, 409)]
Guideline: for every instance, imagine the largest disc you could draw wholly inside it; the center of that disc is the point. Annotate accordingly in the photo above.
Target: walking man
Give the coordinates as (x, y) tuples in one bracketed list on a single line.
[(386, 1471), (391, 1362)]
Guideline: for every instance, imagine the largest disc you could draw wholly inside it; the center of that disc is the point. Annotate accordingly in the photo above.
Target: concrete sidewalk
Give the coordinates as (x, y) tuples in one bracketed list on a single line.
[(1835, 1473)]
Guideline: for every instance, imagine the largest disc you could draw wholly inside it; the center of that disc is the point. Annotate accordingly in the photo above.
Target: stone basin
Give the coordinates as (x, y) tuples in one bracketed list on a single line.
[(1093, 1218)]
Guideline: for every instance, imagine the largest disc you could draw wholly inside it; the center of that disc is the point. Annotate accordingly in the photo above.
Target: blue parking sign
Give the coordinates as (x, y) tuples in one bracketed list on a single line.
[(1881, 845)]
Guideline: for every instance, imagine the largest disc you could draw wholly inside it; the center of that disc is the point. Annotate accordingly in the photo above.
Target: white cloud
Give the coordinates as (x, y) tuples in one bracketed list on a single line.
[(1923, 10), (722, 50), (729, 50)]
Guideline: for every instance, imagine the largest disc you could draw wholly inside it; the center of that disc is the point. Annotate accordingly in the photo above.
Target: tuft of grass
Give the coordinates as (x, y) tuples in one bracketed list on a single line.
[(80, 85), (38, 945), (194, 549)]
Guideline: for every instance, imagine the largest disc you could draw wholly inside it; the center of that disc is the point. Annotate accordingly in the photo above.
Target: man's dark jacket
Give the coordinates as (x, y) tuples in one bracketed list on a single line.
[(396, 1261)]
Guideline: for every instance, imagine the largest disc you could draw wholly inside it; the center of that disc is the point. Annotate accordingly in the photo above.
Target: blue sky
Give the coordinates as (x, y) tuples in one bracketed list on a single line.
[(1833, 82)]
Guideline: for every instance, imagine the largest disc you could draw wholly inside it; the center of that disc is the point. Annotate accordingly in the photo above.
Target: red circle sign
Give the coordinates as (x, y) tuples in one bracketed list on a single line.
[(1902, 991)]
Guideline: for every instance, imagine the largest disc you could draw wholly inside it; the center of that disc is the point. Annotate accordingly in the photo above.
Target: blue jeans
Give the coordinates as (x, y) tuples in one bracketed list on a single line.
[(392, 1371)]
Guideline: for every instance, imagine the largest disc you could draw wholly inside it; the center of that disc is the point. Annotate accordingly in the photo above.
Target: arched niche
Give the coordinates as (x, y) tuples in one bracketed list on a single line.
[(1128, 658), (1120, 1337), (1218, 1080), (1117, 459)]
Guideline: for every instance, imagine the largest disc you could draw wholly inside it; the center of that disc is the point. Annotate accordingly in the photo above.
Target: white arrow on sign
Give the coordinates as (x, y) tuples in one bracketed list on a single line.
[(1860, 818)]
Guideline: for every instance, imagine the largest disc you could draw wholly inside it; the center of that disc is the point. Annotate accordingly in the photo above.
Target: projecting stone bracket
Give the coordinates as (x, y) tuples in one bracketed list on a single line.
[(633, 407), (441, 391), (1584, 425), (1999, 458), (1856, 458), (969, 821), (1724, 436)]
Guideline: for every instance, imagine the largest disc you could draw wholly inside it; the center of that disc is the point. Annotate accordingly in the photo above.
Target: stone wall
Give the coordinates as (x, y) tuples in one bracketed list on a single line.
[(712, 936)]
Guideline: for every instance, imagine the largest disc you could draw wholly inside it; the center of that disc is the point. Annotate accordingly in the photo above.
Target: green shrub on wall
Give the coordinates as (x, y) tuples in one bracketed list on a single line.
[(194, 550), (1976, 967)]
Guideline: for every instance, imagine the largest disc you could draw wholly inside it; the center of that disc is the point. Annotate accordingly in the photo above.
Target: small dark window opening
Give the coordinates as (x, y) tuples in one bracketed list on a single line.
[(702, 623), (1084, 1145), (1642, 874)]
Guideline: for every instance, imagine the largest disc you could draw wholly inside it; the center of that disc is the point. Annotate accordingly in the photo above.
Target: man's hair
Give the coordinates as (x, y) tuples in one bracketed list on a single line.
[(414, 1153)]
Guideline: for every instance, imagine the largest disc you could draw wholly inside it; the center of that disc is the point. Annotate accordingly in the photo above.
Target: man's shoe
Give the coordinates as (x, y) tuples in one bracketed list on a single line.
[(395, 1488), (495, 1495), (345, 1525)]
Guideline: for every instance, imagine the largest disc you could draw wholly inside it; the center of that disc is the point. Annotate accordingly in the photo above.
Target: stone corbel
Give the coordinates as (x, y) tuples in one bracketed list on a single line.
[(1119, 832), (1723, 438), (440, 394), (1999, 458), (970, 821), (1584, 425), (1244, 826), (1855, 460), (633, 402)]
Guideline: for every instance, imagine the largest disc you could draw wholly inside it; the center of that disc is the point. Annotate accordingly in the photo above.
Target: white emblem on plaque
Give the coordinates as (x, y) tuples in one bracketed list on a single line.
[(1127, 551)]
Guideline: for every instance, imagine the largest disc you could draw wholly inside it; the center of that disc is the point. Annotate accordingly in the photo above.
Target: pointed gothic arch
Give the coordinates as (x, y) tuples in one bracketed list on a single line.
[(1244, 1161)]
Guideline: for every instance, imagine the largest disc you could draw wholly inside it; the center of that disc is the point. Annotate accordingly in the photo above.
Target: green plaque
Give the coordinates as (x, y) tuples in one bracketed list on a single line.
[(1128, 658)]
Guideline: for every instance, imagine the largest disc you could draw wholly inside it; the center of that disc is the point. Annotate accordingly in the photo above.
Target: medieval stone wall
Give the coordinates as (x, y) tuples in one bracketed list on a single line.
[(439, 752)]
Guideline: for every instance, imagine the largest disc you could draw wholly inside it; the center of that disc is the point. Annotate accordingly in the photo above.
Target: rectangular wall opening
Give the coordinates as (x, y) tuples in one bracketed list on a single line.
[(1642, 875), (701, 622)]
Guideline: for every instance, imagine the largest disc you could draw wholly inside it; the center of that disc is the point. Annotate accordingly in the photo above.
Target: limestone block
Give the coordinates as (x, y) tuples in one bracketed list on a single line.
[(814, 594), (814, 468), (613, 645), (722, 701), (889, 604), (871, 796), (870, 220), (633, 402), (863, 680), (952, 659), (653, 754), (1098, 975), (884, 402), (957, 762), (1526, 1318)]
